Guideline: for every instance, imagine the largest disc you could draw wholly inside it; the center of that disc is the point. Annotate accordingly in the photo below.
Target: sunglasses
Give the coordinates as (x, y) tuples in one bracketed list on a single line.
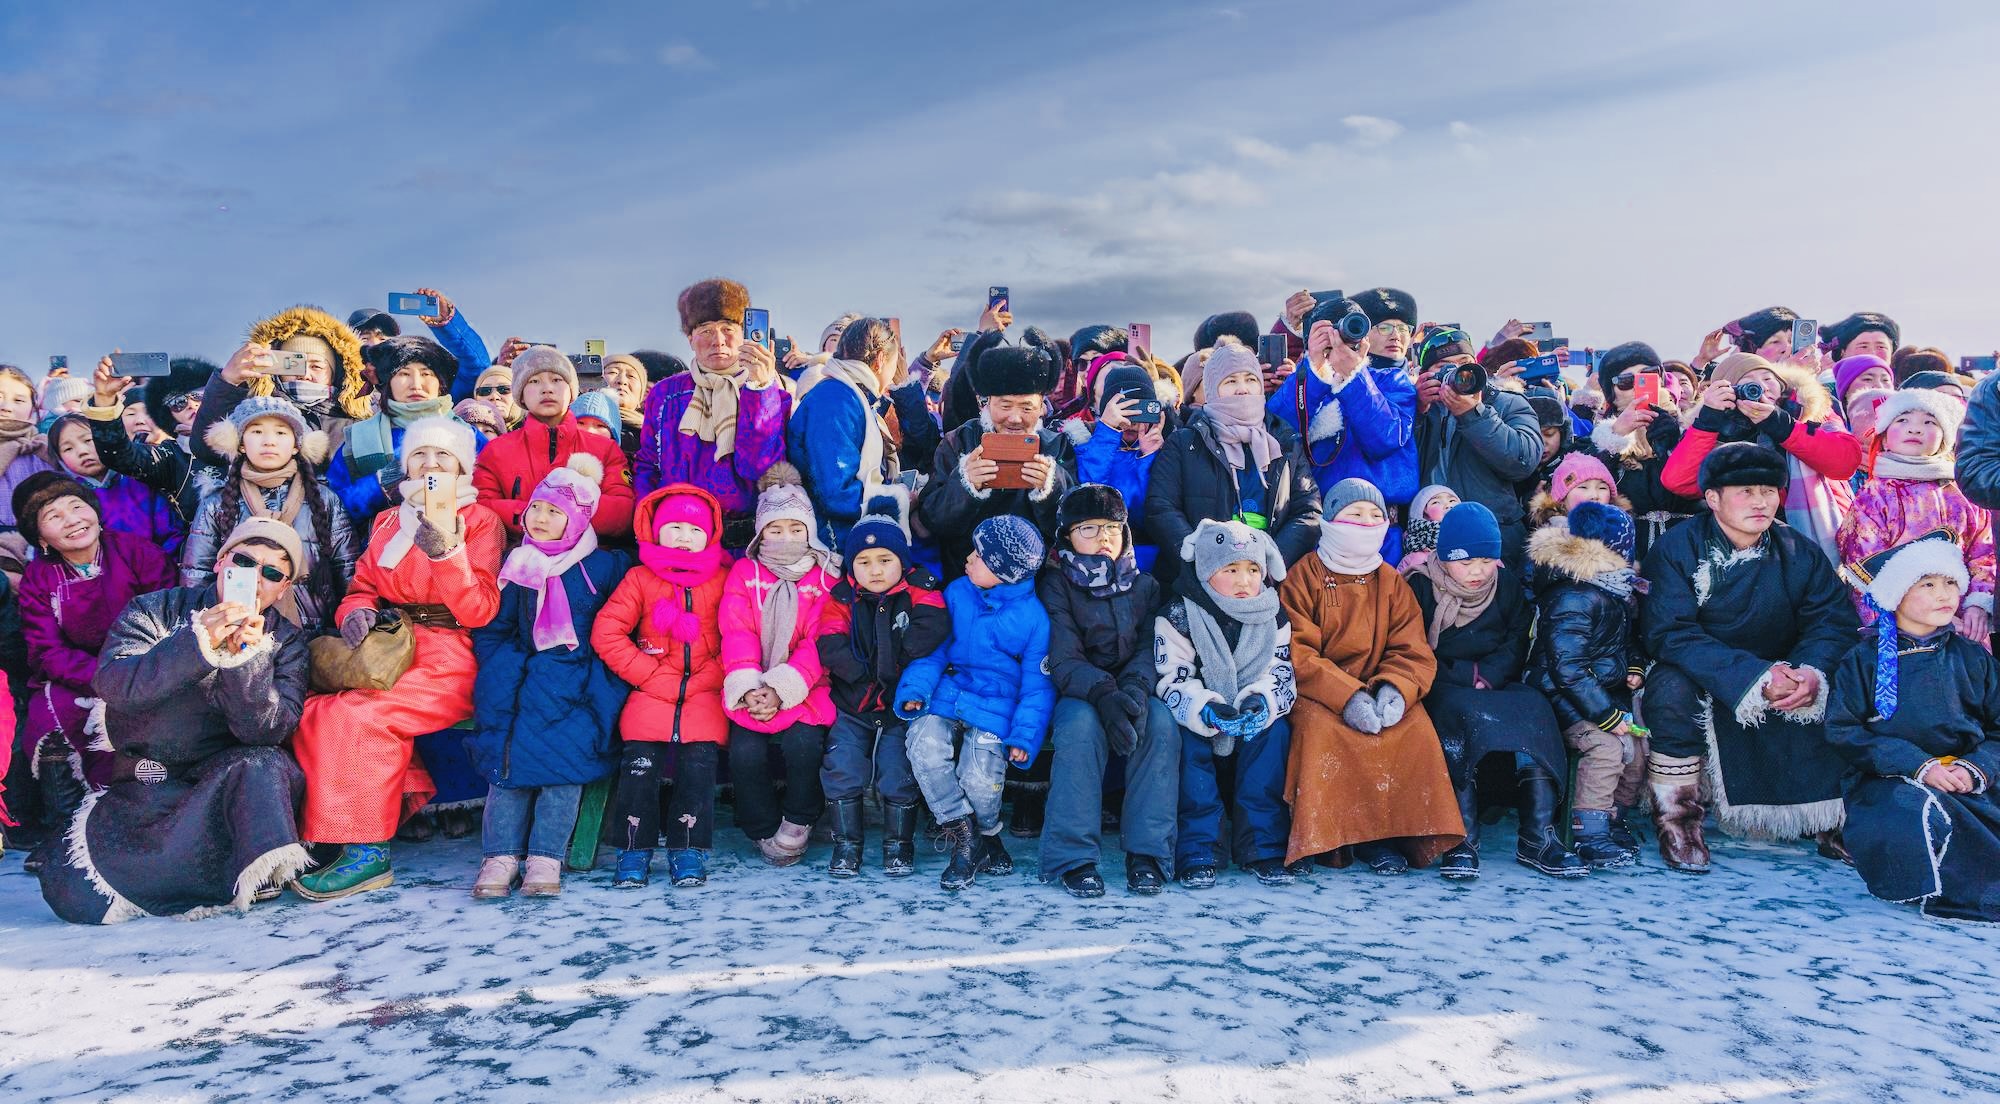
[(177, 403), (270, 574), (1623, 381), (493, 389)]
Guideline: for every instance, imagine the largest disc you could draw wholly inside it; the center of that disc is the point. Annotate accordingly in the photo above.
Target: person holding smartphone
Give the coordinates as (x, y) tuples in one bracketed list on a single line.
[(1635, 438)]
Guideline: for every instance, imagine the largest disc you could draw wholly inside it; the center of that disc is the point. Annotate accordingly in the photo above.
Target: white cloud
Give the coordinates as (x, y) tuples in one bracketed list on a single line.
[(1465, 139), (1372, 130), (1260, 151), (684, 56)]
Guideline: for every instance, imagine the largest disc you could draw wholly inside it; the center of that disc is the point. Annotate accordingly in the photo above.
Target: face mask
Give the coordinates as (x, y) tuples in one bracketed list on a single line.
[(782, 553), (308, 394)]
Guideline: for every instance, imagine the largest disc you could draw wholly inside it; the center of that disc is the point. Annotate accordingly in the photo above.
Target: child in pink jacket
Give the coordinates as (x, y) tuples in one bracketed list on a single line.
[(776, 605)]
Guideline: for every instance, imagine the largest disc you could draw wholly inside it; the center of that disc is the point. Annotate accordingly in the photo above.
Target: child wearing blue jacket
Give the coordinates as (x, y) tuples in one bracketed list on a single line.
[(1117, 450), (987, 689), (544, 705)]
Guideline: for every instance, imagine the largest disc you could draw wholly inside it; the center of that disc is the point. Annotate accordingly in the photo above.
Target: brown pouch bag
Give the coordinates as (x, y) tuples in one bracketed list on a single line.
[(385, 653)]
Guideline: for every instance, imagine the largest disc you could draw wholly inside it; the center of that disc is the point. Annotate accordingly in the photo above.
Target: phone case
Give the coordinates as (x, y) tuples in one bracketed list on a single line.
[(239, 585), (1010, 451), (1646, 388)]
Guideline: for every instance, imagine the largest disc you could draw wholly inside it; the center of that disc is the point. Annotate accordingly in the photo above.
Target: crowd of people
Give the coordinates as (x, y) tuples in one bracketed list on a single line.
[(1339, 592)]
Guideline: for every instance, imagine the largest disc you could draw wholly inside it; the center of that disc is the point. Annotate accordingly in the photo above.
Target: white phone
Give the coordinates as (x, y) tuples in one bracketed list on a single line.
[(239, 585)]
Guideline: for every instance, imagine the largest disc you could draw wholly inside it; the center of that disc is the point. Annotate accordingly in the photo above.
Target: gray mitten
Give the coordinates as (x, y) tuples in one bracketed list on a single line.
[(1362, 714), (435, 544), (354, 627), (1390, 704)]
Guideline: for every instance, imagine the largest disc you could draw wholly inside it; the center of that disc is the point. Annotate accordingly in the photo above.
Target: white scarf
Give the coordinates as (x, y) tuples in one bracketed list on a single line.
[(409, 518), (874, 431), (1928, 469), (1351, 548)]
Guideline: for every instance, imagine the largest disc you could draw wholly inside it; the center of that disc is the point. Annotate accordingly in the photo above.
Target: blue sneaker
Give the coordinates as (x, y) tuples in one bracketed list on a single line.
[(635, 870), (687, 866)]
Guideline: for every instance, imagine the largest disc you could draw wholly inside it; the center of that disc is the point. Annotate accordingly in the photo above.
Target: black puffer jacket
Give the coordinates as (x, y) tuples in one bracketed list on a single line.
[(884, 632), (950, 510), (1097, 645), (1979, 445), (1587, 641), (1192, 482), (1493, 647)]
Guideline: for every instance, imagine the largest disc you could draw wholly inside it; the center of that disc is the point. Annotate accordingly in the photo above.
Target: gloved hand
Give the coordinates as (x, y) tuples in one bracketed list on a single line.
[(1119, 732), (1362, 714), (1137, 703), (1254, 719), (1389, 704), (1217, 715), (354, 627), (434, 543)]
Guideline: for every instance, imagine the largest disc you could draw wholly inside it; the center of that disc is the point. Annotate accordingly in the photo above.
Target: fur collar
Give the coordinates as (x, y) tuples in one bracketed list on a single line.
[(1543, 508), (1815, 404), (1554, 547)]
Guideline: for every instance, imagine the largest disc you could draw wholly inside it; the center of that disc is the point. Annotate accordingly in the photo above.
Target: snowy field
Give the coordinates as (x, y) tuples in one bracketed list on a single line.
[(1776, 978)]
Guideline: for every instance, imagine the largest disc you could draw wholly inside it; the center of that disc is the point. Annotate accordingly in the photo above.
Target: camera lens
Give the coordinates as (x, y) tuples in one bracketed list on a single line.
[(1354, 327), (1750, 392)]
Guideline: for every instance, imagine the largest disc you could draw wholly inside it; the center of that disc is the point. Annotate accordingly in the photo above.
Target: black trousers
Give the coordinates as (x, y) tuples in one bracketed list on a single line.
[(690, 808), (802, 747), (1670, 708)]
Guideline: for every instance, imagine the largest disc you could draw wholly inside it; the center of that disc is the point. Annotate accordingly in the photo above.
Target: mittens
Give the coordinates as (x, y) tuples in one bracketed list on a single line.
[(434, 543), (1254, 719), (1362, 714), (1390, 705), (354, 627)]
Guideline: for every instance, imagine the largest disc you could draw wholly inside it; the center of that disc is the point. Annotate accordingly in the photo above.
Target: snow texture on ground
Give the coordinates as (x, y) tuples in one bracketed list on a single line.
[(1775, 978)]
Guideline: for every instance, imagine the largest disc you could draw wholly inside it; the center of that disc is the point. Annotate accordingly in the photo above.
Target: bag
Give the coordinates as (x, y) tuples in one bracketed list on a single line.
[(385, 653)]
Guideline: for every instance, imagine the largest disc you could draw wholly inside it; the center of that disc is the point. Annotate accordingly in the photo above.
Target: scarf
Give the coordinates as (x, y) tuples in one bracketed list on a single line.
[(540, 566), (409, 518), (1621, 581), (256, 481), (1239, 421), (1226, 670), (18, 438), (401, 414), (711, 409), (1420, 534), (1929, 469), (1349, 548), (631, 418), (686, 570), (789, 560), (314, 400), (1102, 576), (1458, 605), (878, 462)]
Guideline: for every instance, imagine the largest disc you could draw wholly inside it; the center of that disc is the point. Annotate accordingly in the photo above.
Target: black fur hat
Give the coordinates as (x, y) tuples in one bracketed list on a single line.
[(184, 375), (1756, 329), (1095, 340), (1242, 325), (1030, 368), (44, 487), (1633, 356), (368, 318), (1090, 500), (1843, 332), (1743, 464), (389, 354), (659, 365), (1386, 304)]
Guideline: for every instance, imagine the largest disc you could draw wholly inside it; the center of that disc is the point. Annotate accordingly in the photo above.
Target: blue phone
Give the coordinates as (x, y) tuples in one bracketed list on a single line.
[(1540, 367), (757, 326), (409, 302), (140, 364), (995, 296), (56, 362), (1978, 364)]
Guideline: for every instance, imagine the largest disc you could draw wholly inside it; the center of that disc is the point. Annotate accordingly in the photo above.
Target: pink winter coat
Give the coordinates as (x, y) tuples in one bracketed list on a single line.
[(1888, 512), (800, 681)]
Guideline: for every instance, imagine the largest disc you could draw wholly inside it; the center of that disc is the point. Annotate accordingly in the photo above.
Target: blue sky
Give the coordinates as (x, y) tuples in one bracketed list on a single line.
[(173, 172)]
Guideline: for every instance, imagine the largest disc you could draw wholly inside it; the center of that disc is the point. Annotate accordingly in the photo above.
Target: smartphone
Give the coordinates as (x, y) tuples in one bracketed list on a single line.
[(1646, 388), (1554, 343), (593, 346), (1145, 406), (1010, 451), (140, 364), (757, 326), (239, 585), (996, 296), (440, 502), (782, 349), (1540, 367), (1977, 364), (409, 302), (58, 363), (587, 364), (1271, 350), (1333, 296), (1140, 336), (1539, 332), (289, 364), (1805, 334)]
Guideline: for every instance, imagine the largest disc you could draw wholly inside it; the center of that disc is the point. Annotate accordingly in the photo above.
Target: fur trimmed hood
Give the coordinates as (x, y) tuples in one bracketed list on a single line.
[(1557, 549), (308, 321), (1815, 402)]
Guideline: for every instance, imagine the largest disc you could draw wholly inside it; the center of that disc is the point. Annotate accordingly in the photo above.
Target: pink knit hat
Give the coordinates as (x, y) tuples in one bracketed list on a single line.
[(1578, 467), (687, 509), (575, 490)]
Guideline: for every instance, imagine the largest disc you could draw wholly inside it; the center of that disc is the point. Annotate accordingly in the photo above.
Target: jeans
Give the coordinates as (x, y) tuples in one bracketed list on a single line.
[(690, 807), (530, 820), (757, 810), (1072, 833), (1261, 824), (969, 787), (859, 752)]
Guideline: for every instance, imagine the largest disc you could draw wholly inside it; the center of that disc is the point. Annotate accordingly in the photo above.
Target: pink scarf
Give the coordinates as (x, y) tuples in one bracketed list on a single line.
[(683, 569), (540, 566)]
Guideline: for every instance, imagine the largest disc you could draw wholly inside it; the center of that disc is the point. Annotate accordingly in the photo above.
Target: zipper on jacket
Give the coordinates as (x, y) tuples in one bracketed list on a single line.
[(687, 666)]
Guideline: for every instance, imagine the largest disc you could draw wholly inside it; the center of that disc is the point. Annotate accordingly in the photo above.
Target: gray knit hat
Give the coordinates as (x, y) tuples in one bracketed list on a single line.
[(1215, 545), (226, 436), (541, 358), (1349, 491)]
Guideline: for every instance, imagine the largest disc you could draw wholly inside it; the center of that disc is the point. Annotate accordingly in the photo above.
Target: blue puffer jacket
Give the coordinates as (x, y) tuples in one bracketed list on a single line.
[(547, 718), (1101, 457), (1366, 430), (463, 342), (993, 672)]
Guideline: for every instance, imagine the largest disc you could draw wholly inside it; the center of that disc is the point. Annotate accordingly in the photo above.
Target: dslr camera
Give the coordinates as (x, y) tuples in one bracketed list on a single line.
[(1750, 392), (1353, 327), (1465, 379)]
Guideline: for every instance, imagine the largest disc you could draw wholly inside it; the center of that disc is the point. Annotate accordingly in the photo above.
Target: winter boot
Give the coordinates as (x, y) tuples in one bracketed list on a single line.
[(496, 877), (1197, 876), (1029, 805), (542, 878), (1594, 844), (1537, 844), (846, 818), (1084, 882), (1461, 863), (687, 867), (1831, 846), (1144, 876), (962, 868), (62, 791), (899, 828), (360, 867), (787, 845), (1677, 811), (634, 870), (420, 828), (1272, 872), (1382, 857), (1622, 832), (992, 856)]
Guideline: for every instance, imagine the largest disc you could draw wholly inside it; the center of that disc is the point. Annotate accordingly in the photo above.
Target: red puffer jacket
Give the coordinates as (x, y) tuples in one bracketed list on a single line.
[(511, 466)]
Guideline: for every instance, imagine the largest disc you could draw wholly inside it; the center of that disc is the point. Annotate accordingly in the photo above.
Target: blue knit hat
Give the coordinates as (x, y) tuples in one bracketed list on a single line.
[(601, 405), (1468, 531), (1606, 524), (881, 526), (1011, 547)]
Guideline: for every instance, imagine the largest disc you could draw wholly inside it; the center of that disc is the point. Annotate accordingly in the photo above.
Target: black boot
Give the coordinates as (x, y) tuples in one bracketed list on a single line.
[(62, 794), (1461, 863), (1538, 845), (1029, 804), (846, 821), (992, 856), (959, 838), (899, 829)]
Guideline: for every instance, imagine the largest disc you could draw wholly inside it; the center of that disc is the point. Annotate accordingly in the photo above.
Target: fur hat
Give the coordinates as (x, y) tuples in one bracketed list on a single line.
[(1743, 464), (1349, 491), (1753, 330), (1030, 368), (541, 358), (1949, 412), (1386, 304), (1215, 545), (1468, 531), (1633, 356), (42, 488), (1242, 325), (1010, 546), (1086, 501), (441, 431), (270, 529), (884, 523), (304, 321), (1097, 339), (1576, 468), (1606, 524), (185, 376), (389, 355), (226, 436), (713, 301), (659, 365), (1506, 352), (1888, 575), (601, 405), (1226, 359), (1732, 368), (368, 318), (1843, 332), (1549, 412), (1849, 369), (576, 488)]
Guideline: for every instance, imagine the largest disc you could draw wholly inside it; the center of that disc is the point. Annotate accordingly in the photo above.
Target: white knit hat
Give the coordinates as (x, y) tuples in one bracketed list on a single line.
[(1949, 412), (440, 431)]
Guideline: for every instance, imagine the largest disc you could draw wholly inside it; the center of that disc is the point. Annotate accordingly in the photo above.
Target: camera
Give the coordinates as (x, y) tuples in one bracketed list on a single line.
[(1354, 327), (1749, 392), (1466, 379)]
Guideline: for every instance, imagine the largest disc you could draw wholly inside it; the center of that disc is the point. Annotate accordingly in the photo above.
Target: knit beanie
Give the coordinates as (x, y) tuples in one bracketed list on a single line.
[(1347, 492), (1849, 369), (380, 321), (498, 373), (1126, 378), (1225, 360), (1423, 499), (883, 524), (600, 405), (679, 503), (1215, 545), (834, 329), (781, 496), (1549, 412), (541, 358), (1732, 368), (271, 529), (64, 389), (576, 488), (1608, 525), (1885, 578), (42, 488), (1468, 531), (632, 362), (1439, 344), (440, 431), (1010, 545), (226, 436), (1575, 468)]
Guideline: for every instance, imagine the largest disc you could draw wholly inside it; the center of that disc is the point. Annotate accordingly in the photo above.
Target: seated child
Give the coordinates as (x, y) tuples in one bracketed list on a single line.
[(1421, 533), (1579, 477), (986, 689)]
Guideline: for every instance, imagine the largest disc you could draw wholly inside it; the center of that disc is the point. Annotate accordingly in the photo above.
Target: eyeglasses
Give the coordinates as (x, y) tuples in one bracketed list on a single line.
[(177, 403), (493, 389), (1091, 532), (270, 574), (1392, 327)]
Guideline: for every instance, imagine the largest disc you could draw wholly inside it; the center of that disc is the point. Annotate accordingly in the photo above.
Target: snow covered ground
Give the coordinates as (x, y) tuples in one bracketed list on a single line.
[(1776, 978)]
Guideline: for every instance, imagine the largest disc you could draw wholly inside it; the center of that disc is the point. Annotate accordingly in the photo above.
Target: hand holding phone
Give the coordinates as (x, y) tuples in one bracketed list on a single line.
[(1646, 389), (1271, 349), (411, 302), (757, 326), (1805, 334), (239, 587), (1539, 332), (1139, 338), (288, 364), (441, 502), (1010, 451), (140, 364)]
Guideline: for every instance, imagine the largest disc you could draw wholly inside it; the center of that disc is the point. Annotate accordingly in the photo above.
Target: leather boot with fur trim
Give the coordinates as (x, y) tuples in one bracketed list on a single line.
[(1678, 811)]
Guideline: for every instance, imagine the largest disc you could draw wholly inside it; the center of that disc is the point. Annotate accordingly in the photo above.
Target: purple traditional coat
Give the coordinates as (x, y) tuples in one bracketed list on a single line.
[(130, 506), (666, 455)]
